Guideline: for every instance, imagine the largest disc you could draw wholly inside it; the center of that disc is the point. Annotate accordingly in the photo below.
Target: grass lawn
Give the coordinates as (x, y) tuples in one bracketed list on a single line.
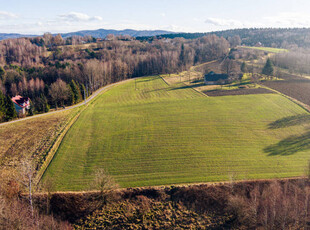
[(267, 49), (160, 134)]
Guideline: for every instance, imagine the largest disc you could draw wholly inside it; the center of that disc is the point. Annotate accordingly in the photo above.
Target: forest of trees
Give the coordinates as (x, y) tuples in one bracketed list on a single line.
[(53, 71), (269, 37), (296, 61)]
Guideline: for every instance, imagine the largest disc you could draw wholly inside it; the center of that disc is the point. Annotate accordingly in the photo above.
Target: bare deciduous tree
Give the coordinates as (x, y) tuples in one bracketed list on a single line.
[(104, 183), (59, 91), (48, 186), (229, 66), (26, 176)]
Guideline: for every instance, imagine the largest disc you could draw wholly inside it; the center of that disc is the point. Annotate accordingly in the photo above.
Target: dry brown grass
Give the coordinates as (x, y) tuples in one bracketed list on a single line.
[(31, 137)]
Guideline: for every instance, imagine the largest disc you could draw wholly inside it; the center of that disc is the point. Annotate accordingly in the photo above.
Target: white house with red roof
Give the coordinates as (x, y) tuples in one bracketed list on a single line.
[(21, 104)]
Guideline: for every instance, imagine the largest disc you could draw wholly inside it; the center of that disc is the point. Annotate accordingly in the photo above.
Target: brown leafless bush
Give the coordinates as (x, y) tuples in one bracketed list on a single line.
[(274, 206)]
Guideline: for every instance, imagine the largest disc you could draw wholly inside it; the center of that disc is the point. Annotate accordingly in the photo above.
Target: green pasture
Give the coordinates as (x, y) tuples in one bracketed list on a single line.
[(267, 49), (155, 134)]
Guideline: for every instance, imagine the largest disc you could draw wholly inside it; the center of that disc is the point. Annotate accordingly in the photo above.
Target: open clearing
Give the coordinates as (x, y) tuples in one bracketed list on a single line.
[(267, 49), (165, 134)]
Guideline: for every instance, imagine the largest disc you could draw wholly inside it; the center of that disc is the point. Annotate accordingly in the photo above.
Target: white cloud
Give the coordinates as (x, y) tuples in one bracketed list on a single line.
[(288, 19), (7, 15), (280, 20), (224, 22), (75, 16)]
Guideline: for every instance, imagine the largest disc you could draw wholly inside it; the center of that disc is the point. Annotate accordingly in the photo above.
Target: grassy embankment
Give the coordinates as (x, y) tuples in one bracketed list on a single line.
[(267, 49), (32, 137), (160, 134)]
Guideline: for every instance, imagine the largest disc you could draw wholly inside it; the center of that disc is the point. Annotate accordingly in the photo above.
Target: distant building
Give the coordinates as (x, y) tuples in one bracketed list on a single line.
[(21, 104), (258, 44), (216, 79)]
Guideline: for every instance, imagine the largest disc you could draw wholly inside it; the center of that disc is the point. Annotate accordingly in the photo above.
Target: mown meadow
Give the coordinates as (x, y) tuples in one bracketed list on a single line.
[(148, 133)]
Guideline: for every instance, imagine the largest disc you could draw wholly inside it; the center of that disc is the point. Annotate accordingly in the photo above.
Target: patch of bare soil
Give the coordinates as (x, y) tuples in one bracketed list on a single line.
[(293, 86), (247, 91)]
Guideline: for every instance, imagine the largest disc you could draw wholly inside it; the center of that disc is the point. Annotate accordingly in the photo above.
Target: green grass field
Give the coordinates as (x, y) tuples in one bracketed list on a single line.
[(267, 49), (160, 135)]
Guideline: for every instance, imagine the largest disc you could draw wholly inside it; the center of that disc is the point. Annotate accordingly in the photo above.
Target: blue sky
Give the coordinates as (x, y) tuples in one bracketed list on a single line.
[(39, 16)]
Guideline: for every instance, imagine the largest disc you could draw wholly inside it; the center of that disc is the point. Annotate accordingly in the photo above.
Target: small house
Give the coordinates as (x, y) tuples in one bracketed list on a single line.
[(21, 104), (216, 79)]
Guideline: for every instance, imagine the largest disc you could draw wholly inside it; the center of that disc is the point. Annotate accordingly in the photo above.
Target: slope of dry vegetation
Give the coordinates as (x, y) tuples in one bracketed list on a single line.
[(30, 138), (265, 204)]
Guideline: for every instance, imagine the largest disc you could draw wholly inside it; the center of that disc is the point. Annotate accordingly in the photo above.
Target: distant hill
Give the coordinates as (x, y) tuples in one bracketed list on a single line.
[(100, 33), (6, 36)]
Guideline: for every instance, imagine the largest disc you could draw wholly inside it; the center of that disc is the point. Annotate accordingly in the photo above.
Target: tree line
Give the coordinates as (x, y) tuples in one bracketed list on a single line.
[(269, 37), (295, 61)]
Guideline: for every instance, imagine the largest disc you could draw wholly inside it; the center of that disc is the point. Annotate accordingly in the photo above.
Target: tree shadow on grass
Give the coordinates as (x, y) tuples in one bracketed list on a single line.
[(198, 81), (290, 121), (290, 145)]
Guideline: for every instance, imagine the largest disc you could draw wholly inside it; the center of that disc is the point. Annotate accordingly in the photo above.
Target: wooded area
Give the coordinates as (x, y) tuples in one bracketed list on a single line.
[(55, 72)]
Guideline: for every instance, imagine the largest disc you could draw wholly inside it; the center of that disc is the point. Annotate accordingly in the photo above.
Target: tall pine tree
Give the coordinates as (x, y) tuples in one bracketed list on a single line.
[(268, 68), (2, 73), (10, 111), (244, 67), (76, 91), (2, 107)]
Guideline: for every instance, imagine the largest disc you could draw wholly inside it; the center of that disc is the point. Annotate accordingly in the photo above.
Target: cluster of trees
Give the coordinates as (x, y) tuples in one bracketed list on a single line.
[(257, 73), (270, 37), (17, 212), (296, 61), (48, 40), (54, 74), (7, 109), (20, 52)]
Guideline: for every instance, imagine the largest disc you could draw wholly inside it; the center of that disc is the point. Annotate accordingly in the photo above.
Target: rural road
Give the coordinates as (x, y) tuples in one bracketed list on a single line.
[(96, 93)]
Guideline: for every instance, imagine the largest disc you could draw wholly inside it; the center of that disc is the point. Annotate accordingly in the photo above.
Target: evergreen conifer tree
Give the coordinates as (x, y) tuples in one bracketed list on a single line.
[(2, 107), (244, 68), (2, 73), (268, 68), (76, 91), (10, 111)]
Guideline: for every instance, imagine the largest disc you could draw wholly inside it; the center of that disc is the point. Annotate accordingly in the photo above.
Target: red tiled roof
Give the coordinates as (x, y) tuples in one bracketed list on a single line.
[(19, 100)]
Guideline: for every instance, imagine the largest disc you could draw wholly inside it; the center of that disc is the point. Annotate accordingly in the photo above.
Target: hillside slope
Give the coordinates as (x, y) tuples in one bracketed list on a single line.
[(161, 134)]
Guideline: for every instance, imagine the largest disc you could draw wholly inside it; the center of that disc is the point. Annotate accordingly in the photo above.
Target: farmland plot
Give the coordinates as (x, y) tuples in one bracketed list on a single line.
[(159, 134), (293, 86)]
